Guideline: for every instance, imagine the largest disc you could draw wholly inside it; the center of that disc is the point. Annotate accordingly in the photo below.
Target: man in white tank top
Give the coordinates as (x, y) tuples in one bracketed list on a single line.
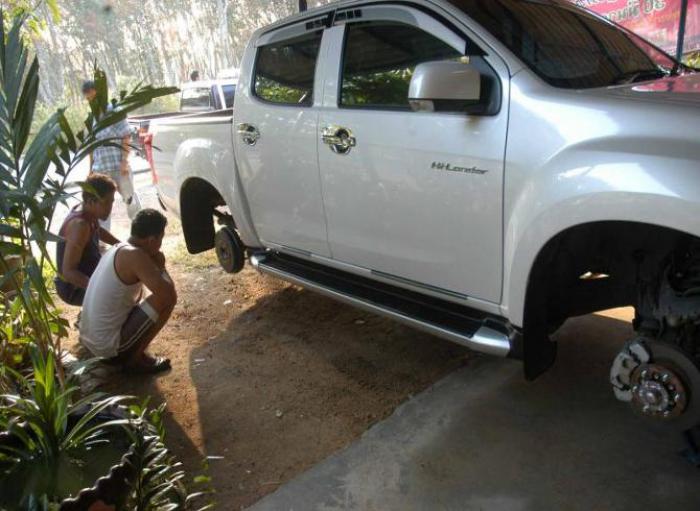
[(117, 322)]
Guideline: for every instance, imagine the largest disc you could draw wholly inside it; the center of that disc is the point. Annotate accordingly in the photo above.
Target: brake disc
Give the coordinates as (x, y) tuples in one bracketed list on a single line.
[(660, 381)]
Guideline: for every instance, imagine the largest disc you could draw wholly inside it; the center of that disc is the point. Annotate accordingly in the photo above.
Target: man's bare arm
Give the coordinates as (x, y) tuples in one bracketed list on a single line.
[(107, 237), (77, 236), (155, 279), (124, 167), (159, 259)]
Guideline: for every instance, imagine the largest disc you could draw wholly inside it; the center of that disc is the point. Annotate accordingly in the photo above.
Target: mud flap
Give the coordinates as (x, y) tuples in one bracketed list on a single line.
[(539, 354), (539, 351)]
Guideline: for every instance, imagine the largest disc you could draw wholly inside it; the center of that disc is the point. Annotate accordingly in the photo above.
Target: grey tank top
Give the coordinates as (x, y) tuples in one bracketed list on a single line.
[(108, 302)]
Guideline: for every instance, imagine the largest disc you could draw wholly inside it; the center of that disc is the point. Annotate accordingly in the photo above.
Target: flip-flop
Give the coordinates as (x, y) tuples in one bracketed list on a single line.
[(159, 365)]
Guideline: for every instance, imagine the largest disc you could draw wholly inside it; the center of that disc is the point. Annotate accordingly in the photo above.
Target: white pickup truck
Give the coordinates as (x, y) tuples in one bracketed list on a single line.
[(481, 170)]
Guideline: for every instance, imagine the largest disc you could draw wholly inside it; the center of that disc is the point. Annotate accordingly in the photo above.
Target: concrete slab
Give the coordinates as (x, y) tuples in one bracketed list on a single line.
[(484, 439)]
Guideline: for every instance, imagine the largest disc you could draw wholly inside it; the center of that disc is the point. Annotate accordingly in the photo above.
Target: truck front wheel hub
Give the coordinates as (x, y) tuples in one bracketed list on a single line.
[(658, 392), (660, 381), (229, 250)]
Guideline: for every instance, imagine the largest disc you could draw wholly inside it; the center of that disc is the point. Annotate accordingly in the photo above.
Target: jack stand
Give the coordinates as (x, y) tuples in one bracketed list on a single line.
[(691, 453)]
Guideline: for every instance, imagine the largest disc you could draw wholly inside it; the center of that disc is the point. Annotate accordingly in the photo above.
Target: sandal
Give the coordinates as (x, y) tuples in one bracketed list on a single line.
[(159, 365)]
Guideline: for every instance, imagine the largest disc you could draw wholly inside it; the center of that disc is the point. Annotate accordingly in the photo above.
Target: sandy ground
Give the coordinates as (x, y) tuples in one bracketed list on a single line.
[(268, 378)]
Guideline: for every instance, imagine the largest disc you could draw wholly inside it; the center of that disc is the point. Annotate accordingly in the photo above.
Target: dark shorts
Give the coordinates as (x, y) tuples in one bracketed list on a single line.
[(68, 293), (135, 330)]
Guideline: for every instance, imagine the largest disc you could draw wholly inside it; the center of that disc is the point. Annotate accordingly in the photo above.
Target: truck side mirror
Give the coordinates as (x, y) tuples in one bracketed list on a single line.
[(445, 86)]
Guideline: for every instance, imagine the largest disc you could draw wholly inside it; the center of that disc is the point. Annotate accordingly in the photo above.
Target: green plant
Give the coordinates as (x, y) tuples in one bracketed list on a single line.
[(164, 104), (31, 10), (29, 192), (159, 484), (48, 427), (13, 328), (49, 435)]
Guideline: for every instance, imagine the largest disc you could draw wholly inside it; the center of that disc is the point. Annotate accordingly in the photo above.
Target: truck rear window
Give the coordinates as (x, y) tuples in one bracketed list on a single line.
[(195, 98), (284, 71)]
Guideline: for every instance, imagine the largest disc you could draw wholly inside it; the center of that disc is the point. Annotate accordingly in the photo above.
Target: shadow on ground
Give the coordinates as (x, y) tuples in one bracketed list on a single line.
[(484, 439)]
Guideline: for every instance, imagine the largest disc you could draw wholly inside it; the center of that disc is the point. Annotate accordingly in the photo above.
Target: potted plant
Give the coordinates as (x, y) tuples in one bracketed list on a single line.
[(80, 454), (50, 442)]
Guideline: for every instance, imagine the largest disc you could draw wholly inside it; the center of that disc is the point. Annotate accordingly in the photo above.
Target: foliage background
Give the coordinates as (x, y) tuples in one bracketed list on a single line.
[(157, 41)]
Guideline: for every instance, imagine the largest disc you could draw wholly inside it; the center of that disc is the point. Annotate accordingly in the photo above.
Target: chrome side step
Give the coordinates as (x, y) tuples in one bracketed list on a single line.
[(447, 320)]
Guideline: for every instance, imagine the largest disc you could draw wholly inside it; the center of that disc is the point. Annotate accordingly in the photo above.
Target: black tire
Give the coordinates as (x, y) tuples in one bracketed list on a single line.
[(229, 250)]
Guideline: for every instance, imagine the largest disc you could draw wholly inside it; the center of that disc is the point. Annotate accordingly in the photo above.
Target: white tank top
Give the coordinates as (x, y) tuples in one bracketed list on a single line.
[(107, 304)]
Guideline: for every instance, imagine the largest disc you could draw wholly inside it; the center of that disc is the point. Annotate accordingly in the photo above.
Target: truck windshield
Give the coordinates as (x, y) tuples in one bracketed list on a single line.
[(567, 46)]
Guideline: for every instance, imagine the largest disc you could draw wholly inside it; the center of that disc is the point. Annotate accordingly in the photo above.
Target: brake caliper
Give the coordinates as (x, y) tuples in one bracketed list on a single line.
[(633, 355)]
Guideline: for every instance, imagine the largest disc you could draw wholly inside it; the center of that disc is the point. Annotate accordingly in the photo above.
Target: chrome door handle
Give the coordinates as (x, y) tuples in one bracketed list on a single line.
[(249, 133), (341, 140)]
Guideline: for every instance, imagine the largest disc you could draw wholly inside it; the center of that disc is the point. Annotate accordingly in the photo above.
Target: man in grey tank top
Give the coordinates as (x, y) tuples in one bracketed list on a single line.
[(117, 322)]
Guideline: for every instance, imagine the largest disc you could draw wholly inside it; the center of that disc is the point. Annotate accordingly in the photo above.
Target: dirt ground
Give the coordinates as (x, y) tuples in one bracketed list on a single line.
[(269, 379)]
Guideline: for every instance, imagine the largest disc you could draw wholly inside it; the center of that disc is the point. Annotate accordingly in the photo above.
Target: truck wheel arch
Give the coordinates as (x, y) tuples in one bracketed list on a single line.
[(198, 201), (588, 268)]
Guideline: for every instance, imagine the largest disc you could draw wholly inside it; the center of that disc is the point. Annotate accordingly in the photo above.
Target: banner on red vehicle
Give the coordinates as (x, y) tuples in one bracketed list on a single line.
[(655, 20)]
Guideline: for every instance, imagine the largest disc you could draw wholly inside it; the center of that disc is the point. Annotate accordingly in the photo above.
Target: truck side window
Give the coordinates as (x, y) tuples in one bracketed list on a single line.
[(379, 59), (284, 71)]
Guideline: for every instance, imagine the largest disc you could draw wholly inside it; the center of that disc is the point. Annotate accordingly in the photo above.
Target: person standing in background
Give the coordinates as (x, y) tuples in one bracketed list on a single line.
[(113, 160)]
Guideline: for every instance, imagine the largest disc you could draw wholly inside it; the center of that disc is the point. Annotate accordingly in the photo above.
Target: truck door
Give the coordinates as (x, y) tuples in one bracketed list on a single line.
[(276, 149), (415, 197)]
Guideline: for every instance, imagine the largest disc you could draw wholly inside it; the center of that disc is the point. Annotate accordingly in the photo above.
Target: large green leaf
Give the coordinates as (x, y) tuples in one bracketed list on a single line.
[(6, 163), (37, 280), (67, 131), (10, 231), (9, 276), (39, 155), (13, 67), (81, 430), (8, 248), (24, 114)]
